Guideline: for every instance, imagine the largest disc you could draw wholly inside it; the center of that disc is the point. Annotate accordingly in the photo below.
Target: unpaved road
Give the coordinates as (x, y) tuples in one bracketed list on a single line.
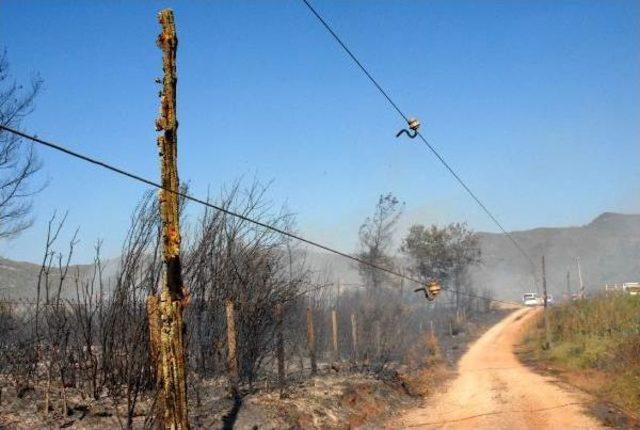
[(495, 391)]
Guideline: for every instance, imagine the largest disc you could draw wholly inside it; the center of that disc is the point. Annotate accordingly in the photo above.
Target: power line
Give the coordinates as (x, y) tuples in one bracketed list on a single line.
[(186, 196), (401, 113), (477, 199), (355, 59)]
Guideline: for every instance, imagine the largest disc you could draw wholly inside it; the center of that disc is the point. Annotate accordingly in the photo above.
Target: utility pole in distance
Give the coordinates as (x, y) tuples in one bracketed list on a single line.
[(580, 278), (546, 314), (172, 404), (569, 284)]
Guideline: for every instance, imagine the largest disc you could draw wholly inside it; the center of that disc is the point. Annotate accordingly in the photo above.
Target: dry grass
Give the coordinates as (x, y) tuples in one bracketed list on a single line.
[(595, 344)]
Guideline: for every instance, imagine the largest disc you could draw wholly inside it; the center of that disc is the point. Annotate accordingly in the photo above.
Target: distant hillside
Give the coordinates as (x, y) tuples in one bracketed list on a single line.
[(18, 280), (608, 247)]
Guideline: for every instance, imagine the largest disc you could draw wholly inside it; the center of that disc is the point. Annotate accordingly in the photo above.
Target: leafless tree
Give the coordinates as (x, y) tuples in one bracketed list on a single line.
[(233, 259), (18, 160), (376, 239)]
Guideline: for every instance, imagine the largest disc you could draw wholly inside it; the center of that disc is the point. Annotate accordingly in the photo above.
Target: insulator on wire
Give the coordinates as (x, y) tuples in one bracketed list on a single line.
[(431, 290), (414, 125)]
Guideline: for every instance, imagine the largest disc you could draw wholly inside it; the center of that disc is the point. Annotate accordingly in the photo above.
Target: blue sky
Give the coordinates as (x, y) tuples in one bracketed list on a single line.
[(536, 104)]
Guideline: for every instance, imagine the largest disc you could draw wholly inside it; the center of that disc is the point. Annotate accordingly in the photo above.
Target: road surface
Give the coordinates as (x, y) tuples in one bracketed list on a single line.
[(495, 391)]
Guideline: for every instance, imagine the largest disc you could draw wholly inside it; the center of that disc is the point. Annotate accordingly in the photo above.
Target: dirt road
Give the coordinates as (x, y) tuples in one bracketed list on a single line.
[(495, 391)]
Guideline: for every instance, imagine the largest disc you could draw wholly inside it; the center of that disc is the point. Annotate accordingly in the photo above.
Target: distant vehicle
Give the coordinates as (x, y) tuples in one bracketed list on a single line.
[(530, 299), (550, 300)]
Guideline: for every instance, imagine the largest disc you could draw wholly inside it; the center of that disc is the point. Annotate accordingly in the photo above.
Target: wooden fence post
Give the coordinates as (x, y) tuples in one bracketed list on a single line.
[(354, 339), (172, 409), (334, 331), (377, 338), (280, 347), (311, 341), (232, 351)]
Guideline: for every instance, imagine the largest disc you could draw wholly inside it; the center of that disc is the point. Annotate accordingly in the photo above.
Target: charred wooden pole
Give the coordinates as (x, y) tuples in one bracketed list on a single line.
[(280, 347), (232, 349), (172, 405), (311, 341)]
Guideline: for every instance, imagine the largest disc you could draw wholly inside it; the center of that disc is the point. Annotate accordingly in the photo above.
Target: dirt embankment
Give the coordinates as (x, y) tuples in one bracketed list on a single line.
[(494, 390)]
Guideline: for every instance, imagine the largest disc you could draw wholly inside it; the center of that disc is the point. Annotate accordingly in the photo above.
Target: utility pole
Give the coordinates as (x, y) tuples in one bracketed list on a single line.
[(172, 406), (580, 278), (569, 284), (546, 314)]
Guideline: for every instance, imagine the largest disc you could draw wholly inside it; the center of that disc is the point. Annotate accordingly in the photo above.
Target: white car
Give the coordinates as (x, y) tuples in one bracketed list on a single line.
[(530, 299)]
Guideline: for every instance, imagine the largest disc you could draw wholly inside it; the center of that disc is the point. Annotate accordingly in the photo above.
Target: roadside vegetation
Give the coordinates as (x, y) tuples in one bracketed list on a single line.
[(595, 344)]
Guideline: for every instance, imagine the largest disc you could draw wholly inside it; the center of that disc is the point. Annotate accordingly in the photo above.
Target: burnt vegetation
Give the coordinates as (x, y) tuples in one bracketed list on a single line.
[(85, 338)]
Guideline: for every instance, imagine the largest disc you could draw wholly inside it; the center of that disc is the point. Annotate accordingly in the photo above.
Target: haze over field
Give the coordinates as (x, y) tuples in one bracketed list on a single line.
[(609, 249)]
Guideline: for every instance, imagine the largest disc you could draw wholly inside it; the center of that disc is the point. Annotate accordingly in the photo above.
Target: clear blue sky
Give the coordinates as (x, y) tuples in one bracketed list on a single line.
[(536, 103)]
